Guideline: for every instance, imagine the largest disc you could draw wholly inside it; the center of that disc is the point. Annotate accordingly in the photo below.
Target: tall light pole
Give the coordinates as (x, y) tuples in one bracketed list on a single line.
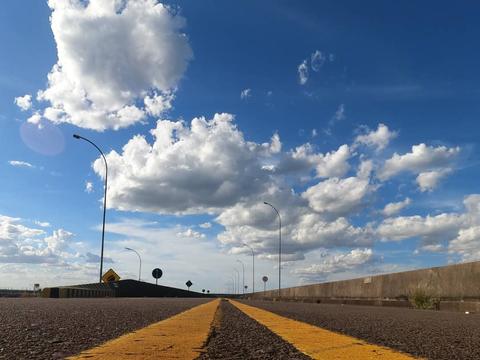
[(279, 248), (233, 278), (238, 280), (139, 258), (104, 200), (253, 267), (243, 275)]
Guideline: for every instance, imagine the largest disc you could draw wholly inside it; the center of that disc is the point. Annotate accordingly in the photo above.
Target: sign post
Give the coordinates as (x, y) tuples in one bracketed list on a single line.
[(110, 276), (188, 283), (157, 274), (265, 279)]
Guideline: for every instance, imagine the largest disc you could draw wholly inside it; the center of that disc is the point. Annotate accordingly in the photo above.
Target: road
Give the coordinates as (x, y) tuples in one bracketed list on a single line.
[(425, 333), (36, 328), (200, 328)]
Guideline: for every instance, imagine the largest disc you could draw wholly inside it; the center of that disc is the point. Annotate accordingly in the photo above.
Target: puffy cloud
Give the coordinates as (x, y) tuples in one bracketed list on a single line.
[(200, 168), (378, 139), (427, 181), (88, 187), (467, 243), (111, 55), (303, 72), (314, 231), (422, 158), (22, 244), (394, 208), (190, 233), (333, 164), (207, 166), (35, 119), (365, 169), (24, 102), (337, 262), (456, 232), (303, 158), (157, 104), (338, 196), (245, 94), (430, 228), (18, 163), (205, 225)]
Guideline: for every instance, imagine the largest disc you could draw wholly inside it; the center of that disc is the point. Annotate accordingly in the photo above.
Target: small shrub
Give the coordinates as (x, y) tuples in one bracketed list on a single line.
[(421, 300)]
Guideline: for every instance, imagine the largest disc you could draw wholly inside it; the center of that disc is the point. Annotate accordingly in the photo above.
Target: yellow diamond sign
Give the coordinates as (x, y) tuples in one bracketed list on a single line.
[(110, 275)]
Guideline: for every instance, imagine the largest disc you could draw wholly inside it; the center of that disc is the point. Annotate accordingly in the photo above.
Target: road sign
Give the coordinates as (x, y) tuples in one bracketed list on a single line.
[(189, 283), (157, 274), (265, 279), (110, 275)]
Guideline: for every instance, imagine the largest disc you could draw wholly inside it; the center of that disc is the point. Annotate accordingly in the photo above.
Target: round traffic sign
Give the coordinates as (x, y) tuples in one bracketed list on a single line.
[(265, 279), (157, 273)]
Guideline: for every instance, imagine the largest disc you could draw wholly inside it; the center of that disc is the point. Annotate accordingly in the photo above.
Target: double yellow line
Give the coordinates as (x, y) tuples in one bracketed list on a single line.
[(184, 336)]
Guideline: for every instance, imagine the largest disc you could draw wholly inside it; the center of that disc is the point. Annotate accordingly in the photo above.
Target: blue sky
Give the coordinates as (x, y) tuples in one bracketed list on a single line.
[(387, 87)]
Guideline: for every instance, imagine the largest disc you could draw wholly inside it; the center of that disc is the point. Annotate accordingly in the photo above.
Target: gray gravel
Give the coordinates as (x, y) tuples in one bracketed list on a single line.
[(236, 336), (54, 328), (429, 334)]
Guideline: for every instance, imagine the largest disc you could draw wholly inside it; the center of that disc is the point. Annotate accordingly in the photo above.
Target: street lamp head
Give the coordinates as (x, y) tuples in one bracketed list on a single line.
[(127, 248), (76, 136), (263, 202)]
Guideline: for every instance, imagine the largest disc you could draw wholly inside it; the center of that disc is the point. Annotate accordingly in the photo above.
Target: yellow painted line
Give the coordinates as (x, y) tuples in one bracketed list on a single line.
[(319, 343), (179, 337)]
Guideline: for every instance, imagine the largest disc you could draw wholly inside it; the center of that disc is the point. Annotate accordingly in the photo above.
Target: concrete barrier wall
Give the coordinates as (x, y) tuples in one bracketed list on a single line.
[(453, 282), (121, 288)]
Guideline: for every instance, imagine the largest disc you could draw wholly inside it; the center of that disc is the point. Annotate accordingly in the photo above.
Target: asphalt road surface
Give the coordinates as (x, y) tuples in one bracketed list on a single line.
[(428, 334), (236, 336), (36, 328)]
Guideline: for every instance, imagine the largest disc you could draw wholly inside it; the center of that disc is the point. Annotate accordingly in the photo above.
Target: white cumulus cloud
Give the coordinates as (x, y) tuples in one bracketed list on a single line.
[(187, 169), (428, 180), (24, 102), (112, 56), (338, 196), (433, 162), (395, 207), (378, 139), (88, 187), (205, 225), (337, 262)]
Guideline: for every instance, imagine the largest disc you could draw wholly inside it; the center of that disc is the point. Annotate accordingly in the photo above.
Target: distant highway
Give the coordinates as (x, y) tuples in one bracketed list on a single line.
[(163, 328)]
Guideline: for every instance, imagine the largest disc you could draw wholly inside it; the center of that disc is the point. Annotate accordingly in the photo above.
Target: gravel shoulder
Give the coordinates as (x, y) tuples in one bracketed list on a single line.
[(236, 336), (37, 328), (428, 334)]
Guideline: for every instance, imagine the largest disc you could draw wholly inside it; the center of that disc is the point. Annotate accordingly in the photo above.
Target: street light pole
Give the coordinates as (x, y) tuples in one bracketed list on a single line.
[(139, 258), (279, 248), (104, 200), (238, 280), (253, 267), (243, 275)]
